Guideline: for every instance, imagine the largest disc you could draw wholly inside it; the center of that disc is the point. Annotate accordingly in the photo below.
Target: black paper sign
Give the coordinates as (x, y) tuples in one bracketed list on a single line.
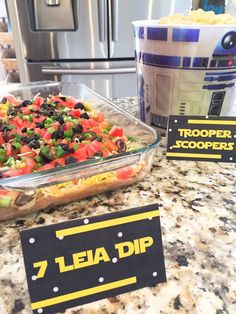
[(81, 261), (202, 138)]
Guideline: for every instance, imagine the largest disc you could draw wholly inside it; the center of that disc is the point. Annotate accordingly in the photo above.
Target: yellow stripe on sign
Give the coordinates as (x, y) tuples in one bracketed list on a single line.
[(225, 122), (83, 293), (191, 155), (106, 223)]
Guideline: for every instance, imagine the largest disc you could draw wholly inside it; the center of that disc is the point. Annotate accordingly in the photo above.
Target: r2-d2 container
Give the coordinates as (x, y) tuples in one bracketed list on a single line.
[(185, 70)]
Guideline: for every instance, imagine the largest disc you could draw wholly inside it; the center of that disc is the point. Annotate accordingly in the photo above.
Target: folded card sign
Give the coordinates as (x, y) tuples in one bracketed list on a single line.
[(203, 138), (85, 260)]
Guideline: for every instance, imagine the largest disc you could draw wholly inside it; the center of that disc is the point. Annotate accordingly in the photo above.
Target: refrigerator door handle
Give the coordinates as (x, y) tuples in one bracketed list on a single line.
[(61, 71), (114, 20), (101, 19)]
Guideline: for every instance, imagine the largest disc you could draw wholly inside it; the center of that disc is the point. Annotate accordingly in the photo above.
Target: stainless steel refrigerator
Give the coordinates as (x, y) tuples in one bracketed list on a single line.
[(87, 41)]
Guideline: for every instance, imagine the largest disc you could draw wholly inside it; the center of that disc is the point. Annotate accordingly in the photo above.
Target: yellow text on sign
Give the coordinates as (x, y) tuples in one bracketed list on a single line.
[(205, 133), (42, 265), (129, 248), (83, 259), (90, 257)]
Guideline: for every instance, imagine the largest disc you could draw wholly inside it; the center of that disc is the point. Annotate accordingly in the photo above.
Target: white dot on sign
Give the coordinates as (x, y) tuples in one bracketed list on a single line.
[(40, 311), (86, 221), (61, 238), (31, 240), (150, 218), (114, 260), (230, 158), (234, 135), (120, 234), (55, 289), (101, 279), (154, 274), (207, 117), (34, 277), (170, 130), (171, 147), (175, 121)]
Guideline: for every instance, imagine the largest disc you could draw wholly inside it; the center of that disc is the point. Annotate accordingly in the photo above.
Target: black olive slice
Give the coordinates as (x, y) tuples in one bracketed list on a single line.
[(85, 115), (78, 128), (70, 160), (24, 198), (4, 100), (121, 146), (34, 144), (25, 103), (11, 112), (98, 154), (79, 105), (60, 119)]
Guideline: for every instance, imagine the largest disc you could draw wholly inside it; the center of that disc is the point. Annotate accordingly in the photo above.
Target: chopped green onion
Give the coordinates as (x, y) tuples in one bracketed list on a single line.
[(10, 162), (130, 138), (16, 145), (59, 151), (51, 130), (67, 119), (2, 155), (5, 201), (75, 146), (38, 159), (10, 127), (68, 133), (45, 151)]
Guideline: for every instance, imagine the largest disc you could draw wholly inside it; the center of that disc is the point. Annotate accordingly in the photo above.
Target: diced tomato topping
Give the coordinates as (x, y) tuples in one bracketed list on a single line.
[(85, 123), (1, 139), (59, 161), (12, 173), (34, 107), (76, 113), (93, 147), (104, 125), (68, 125), (70, 102), (11, 99), (92, 123), (25, 111), (39, 119), (124, 173), (105, 153), (46, 167), (8, 150), (27, 151), (110, 145), (97, 130), (101, 117), (115, 131), (18, 122), (47, 135), (64, 141), (30, 163), (3, 192), (38, 101), (81, 153)]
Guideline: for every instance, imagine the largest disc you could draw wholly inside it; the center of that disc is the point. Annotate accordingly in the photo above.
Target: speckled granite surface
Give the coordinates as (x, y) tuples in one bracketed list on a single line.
[(197, 203)]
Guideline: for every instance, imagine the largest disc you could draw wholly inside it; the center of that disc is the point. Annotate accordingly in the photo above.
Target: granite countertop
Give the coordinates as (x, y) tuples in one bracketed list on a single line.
[(197, 205)]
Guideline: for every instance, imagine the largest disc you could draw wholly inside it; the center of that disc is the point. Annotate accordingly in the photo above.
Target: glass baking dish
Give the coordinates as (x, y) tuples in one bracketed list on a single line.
[(61, 185)]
